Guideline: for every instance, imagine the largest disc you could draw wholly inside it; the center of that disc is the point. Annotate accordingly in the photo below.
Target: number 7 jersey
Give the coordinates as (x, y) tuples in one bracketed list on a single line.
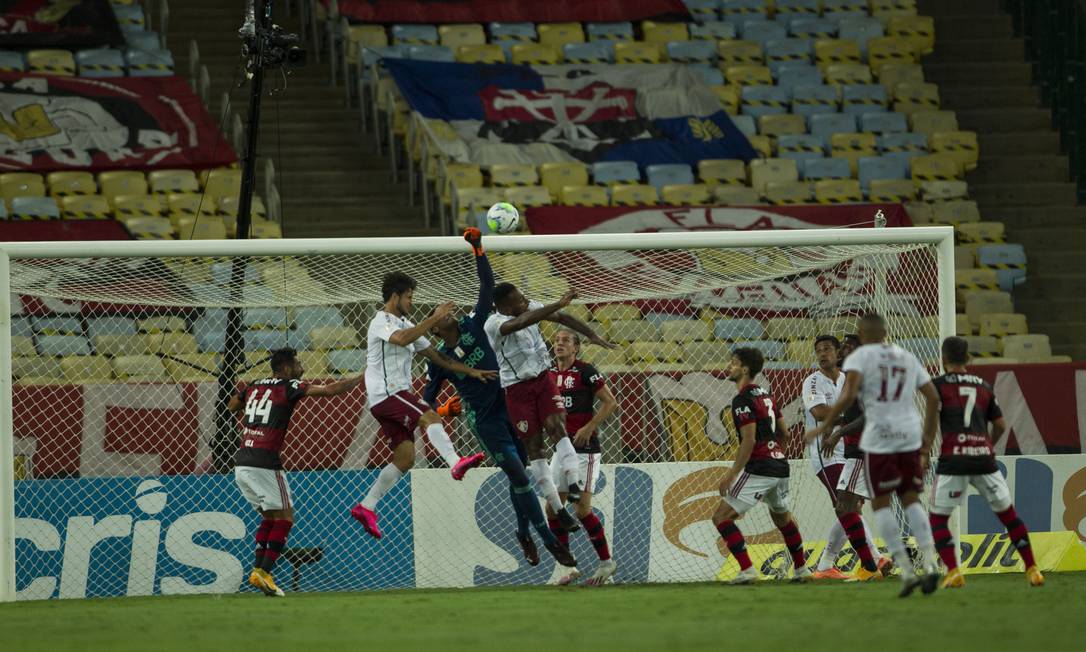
[(891, 376), (755, 405), (268, 406)]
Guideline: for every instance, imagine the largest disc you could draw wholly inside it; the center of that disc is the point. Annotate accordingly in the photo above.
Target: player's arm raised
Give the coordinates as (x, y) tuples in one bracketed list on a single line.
[(486, 276), (530, 317), (334, 388), (447, 363), (406, 336), (571, 322), (847, 397)]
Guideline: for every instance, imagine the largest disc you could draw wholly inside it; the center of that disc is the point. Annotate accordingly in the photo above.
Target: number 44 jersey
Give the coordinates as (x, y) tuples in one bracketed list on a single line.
[(268, 405), (891, 376)]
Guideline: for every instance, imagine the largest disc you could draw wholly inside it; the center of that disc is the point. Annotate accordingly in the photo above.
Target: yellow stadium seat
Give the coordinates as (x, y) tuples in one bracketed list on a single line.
[(112, 345), (976, 279), (685, 330), (917, 31), (459, 176), (194, 367), (889, 49), (333, 337), (931, 122), (959, 211), (801, 351), (655, 32), (223, 183), (962, 325), (781, 124), (938, 191), (122, 182), (86, 368), (919, 211), (605, 359), (36, 368), (21, 184), (170, 343), (51, 62), (536, 54), (789, 328), (748, 75), (65, 184), (965, 257), (150, 228), (893, 74), (527, 196), (838, 191), (986, 302), (364, 36), (584, 196), (1000, 324), (23, 345), (829, 52), (1027, 347), (853, 147), (85, 207), (728, 96), (848, 73), (654, 353), (636, 52), (263, 229), (480, 54), (161, 324), (610, 312), (558, 34), (982, 346), (167, 181), (739, 53), (188, 203), (632, 330), (513, 174), (981, 232), (910, 98), (935, 167), (788, 193), (203, 228), (477, 199), (727, 171), (556, 176), (128, 206), (960, 144), (139, 368), (761, 144), (712, 355), (686, 194), (228, 206), (736, 196), (454, 35), (763, 171), (897, 191), (635, 194)]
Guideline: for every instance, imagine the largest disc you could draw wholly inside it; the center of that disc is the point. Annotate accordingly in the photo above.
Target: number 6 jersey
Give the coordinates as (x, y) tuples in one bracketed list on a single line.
[(755, 405), (891, 376), (269, 403)]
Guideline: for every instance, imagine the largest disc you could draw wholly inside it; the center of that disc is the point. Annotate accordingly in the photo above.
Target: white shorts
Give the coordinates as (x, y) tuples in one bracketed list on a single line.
[(748, 490), (588, 472), (948, 491), (264, 489), (854, 478)]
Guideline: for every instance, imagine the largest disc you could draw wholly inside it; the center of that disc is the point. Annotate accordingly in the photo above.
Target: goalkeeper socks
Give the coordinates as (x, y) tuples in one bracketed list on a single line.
[(921, 529), (439, 439), (944, 541), (1019, 535), (736, 543), (277, 541), (544, 484), (853, 527), (261, 538), (559, 532), (568, 460), (388, 477), (835, 540), (518, 510), (594, 529), (886, 524), (794, 542)]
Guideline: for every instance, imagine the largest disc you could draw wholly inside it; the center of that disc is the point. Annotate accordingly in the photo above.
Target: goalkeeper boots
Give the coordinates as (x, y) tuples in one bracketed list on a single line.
[(527, 546), (262, 580), (567, 521), (562, 554), (467, 463)]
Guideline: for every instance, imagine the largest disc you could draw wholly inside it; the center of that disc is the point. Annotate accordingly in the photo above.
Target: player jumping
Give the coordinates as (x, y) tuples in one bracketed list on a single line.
[(886, 376), (258, 470), (966, 458), (531, 396), (390, 342), (465, 341), (760, 470), (580, 384)]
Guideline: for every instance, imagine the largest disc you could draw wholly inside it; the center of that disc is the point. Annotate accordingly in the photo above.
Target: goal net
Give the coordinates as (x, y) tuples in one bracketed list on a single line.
[(122, 454)]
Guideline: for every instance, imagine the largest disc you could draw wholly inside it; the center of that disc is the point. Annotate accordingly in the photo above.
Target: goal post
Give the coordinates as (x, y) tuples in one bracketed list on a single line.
[(108, 404)]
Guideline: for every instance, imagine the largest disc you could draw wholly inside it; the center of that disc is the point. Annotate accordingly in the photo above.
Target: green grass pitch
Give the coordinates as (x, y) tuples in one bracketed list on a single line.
[(993, 612)]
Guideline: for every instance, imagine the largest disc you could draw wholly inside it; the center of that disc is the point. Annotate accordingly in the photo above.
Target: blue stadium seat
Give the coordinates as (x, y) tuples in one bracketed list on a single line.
[(860, 29), (149, 63), (210, 341), (344, 362), (669, 174), (415, 34), (257, 294), (310, 317), (609, 31), (736, 10), (745, 124), (879, 167), (261, 340), (35, 208), (298, 340), (213, 319), (713, 31), (1012, 257), (844, 9), (762, 31), (883, 122), (825, 125), (737, 329), (863, 98), (798, 8), (129, 16), (22, 326), (692, 51), (771, 349), (799, 147), (12, 61), (925, 348), (811, 99), (903, 146), (764, 100), (605, 173), (703, 10), (591, 52), (709, 74), (791, 75), (109, 326), (145, 40), (816, 28), (513, 32), (372, 55), (100, 62), (63, 345), (431, 53), (825, 168), (57, 325), (784, 51), (220, 275), (270, 318)]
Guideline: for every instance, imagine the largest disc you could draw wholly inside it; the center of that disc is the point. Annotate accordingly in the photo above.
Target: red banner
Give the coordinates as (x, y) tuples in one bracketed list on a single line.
[(511, 11), (590, 104), (74, 123), (51, 24), (650, 219)]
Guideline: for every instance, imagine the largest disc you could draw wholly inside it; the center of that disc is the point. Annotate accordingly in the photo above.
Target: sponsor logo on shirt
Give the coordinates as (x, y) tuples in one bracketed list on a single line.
[(522, 425)]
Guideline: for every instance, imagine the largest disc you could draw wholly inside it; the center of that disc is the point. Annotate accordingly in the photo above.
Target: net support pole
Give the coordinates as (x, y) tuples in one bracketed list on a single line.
[(948, 327), (7, 440)]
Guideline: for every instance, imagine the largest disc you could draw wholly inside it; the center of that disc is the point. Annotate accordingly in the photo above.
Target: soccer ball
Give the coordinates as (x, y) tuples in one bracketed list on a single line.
[(503, 218)]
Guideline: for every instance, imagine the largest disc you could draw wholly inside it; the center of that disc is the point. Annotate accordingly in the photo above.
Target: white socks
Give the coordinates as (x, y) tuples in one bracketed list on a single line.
[(439, 439), (567, 460), (388, 477), (835, 540), (886, 524), (544, 484), (875, 554), (921, 527)]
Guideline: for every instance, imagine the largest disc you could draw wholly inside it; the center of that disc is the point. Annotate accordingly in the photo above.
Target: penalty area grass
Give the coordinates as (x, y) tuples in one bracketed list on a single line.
[(993, 612)]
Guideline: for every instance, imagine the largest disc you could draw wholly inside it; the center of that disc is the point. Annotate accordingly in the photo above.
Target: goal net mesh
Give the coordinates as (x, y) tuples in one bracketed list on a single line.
[(124, 483)]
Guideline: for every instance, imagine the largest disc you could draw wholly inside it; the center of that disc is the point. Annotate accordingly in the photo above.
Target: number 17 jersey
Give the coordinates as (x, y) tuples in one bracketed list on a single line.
[(267, 407), (891, 376)]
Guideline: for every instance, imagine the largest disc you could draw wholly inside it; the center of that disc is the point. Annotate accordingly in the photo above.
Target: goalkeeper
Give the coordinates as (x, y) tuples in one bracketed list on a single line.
[(465, 340)]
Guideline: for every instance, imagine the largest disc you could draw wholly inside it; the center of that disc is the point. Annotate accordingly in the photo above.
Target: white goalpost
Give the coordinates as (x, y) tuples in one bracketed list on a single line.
[(115, 453)]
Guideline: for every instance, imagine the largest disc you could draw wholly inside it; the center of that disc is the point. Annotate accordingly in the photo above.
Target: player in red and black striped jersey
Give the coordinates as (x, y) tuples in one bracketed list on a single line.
[(580, 384), (266, 407), (760, 470), (968, 410)]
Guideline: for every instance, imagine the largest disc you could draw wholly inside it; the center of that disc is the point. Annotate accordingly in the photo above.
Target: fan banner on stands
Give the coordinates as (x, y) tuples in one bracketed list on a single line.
[(59, 230), (650, 219), (73, 123), (52, 24), (501, 113), (510, 11)]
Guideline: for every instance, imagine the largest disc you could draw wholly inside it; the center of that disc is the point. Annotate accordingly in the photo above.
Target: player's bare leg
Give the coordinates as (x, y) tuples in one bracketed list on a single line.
[(568, 462), (271, 538), (544, 483), (434, 427), (794, 543), (724, 519), (365, 512), (872, 565)]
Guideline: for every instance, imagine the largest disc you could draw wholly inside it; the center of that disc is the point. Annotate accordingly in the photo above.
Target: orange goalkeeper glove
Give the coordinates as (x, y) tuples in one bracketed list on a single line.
[(450, 408), (475, 238)]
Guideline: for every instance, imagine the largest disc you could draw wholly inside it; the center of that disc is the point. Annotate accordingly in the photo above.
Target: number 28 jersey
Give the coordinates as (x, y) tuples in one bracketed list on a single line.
[(891, 376), (755, 405), (267, 407)]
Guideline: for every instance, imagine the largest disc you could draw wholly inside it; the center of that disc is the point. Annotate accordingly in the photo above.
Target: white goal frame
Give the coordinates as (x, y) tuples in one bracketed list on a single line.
[(942, 237)]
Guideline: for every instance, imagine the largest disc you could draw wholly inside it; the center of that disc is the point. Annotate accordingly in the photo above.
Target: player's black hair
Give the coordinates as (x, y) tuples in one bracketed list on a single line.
[(956, 350), (396, 283), (751, 358), (827, 338), (282, 357), (502, 292), (873, 319), (851, 337)]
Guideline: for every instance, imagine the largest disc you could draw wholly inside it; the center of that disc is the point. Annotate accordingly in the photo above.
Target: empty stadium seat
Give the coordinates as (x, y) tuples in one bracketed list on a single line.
[(684, 330), (555, 176), (712, 30), (764, 171), (636, 52), (982, 346), (811, 99), (860, 29), (11, 61), (21, 184), (167, 181), (51, 62), (692, 52), (959, 211), (940, 191), (64, 184), (870, 168), (526, 196), (960, 144), (455, 35), (852, 147), (150, 228), (122, 182), (917, 31), (223, 183), (664, 32), (891, 191), (1026, 347), (62, 344), (417, 34), (558, 34), (980, 302), (634, 195), (825, 125), (742, 9), (880, 122), (790, 75), (838, 191), (513, 174), (859, 99), (60, 325), (1000, 324), (36, 369), (736, 196), (100, 62), (825, 168), (829, 52), (668, 174), (687, 194), (975, 279), (788, 193), (34, 208), (85, 368), (718, 171), (758, 101), (583, 196), (139, 368), (762, 31), (618, 31), (1007, 260), (748, 75), (607, 173), (779, 125), (484, 53), (588, 53), (799, 146), (931, 122), (512, 31), (126, 206), (610, 312), (149, 63)]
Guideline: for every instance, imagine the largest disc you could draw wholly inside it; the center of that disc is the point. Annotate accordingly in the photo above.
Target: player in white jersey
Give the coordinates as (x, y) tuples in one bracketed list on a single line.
[(391, 342), (531, 395), (886, 377)]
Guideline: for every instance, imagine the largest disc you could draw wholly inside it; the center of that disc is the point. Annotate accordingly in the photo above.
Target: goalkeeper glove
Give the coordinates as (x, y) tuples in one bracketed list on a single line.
[(450, 408), (475, 239)]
